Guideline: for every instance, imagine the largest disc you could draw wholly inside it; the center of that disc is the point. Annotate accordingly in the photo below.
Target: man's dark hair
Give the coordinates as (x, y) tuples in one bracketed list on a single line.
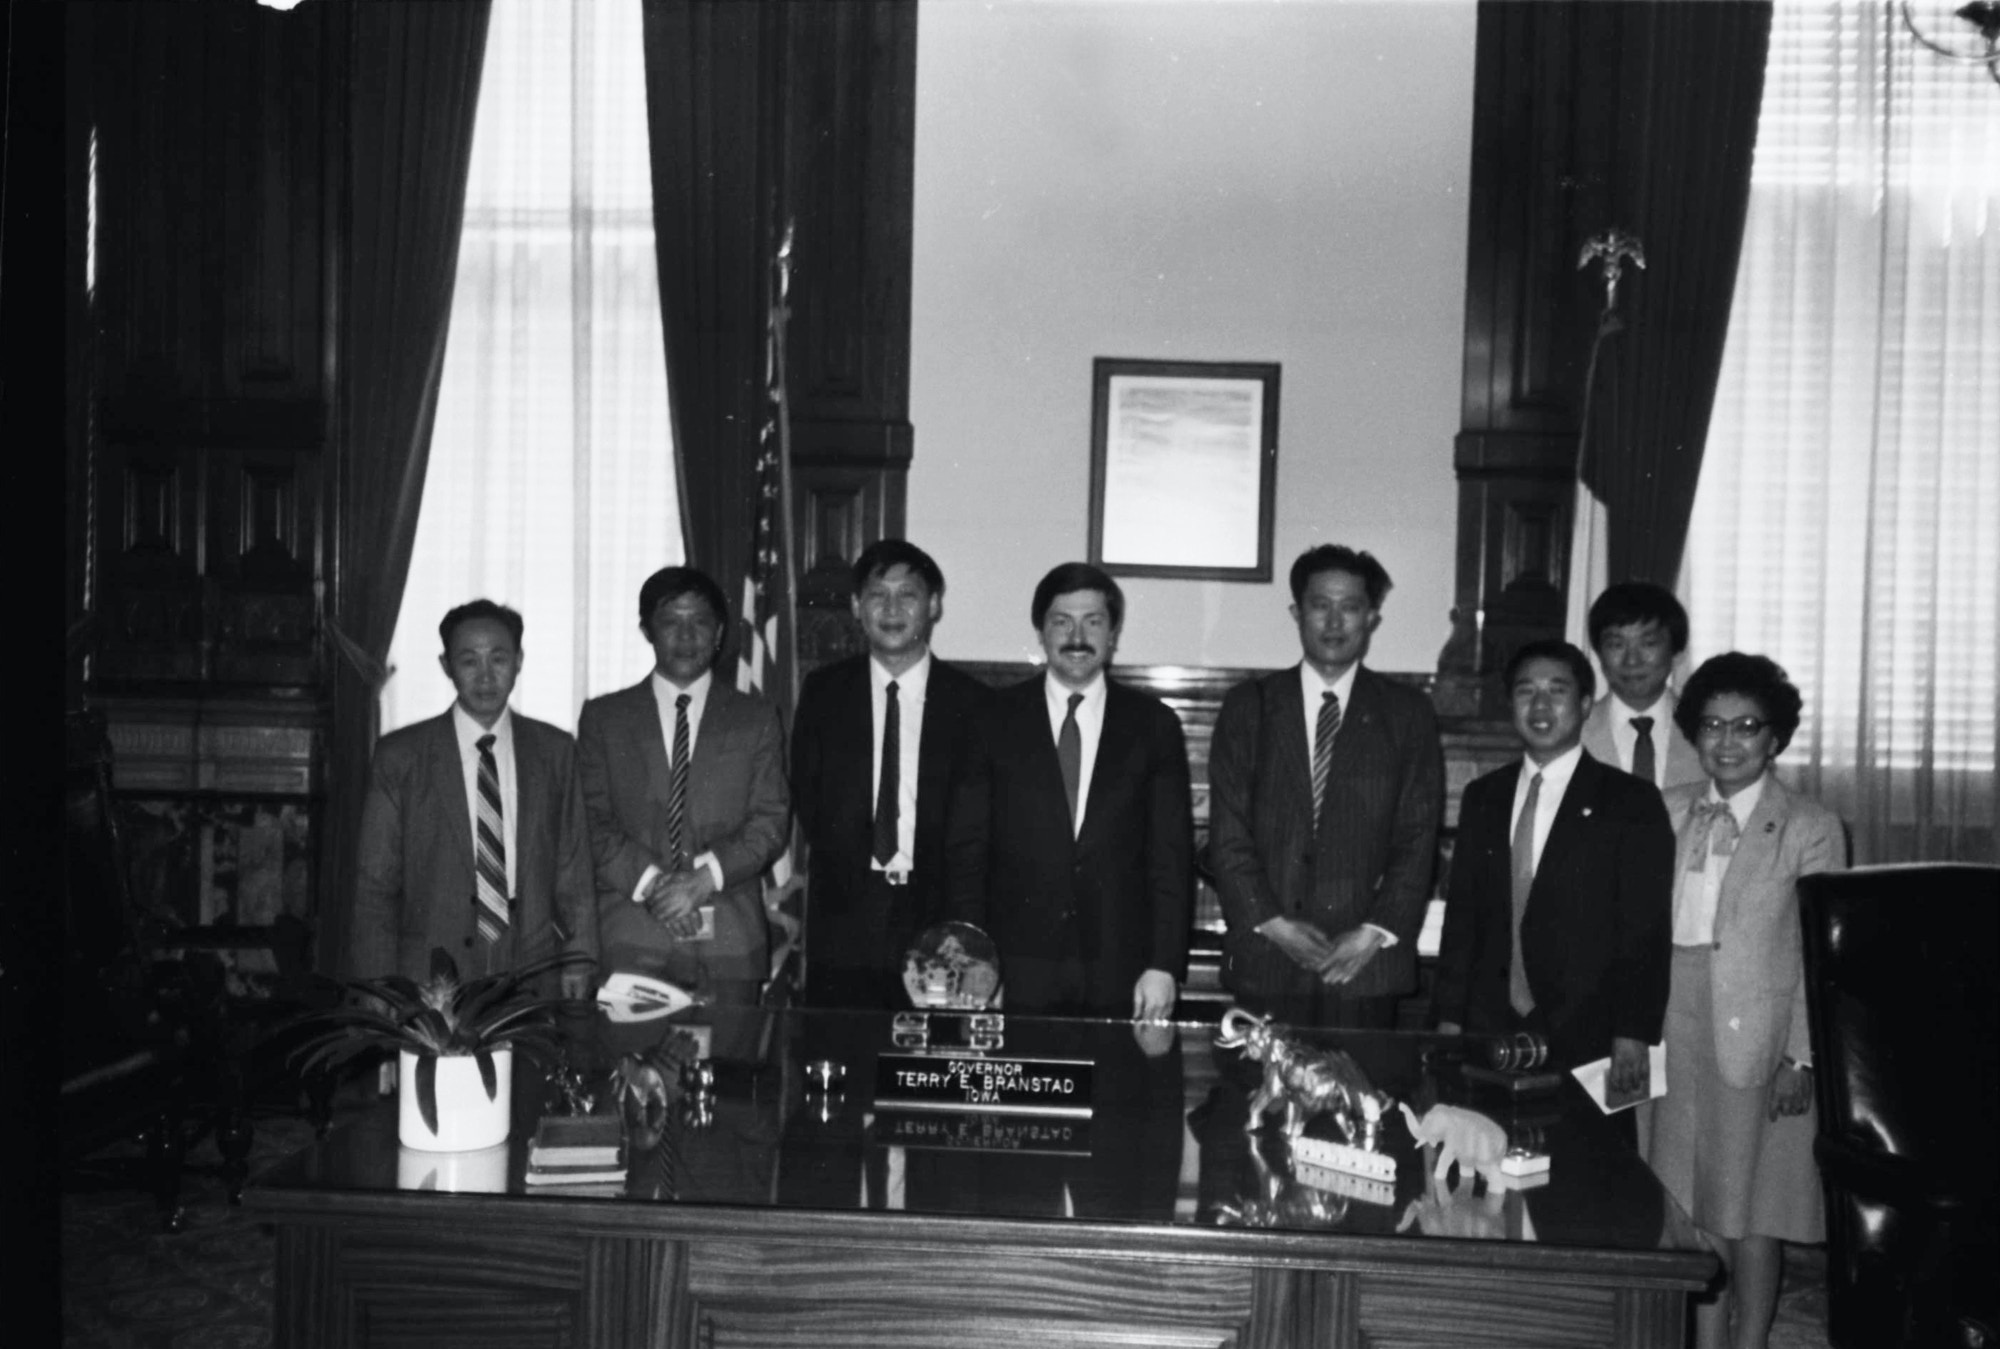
[(1553, 648), (1638, 602), (883, 554), (1338, 557), (499, 613), (1759, 678), (669, 584), (1071, 576)]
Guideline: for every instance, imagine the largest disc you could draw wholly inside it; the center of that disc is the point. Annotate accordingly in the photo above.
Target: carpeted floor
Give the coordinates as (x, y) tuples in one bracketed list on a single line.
[(127, 1285)]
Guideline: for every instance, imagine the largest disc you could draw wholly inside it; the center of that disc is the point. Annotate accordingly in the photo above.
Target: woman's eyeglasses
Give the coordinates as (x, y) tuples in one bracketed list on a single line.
[(1741, 728)]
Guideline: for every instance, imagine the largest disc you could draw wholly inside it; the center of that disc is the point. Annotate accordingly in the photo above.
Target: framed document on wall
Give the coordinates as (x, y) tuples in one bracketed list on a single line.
[(1183, 464)]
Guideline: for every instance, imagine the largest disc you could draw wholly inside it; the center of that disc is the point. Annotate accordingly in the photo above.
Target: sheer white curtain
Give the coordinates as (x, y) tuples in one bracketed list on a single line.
[(1847, 523), (551, 480)]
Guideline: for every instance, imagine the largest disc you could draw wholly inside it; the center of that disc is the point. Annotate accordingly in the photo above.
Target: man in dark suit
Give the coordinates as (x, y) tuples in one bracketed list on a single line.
[(1079, 824), (1325, 786), (1559, 916), (472, 832), (879, 748), (684, 790)]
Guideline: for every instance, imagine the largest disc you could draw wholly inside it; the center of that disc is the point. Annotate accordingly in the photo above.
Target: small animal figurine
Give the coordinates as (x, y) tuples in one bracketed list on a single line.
[(1305, 1081), (1463, 1137)]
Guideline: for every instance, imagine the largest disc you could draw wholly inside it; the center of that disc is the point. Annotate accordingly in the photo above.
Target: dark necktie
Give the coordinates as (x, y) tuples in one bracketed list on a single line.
[(677, 792), (1642, 749), (1069, 754), (1524, 881), (489, 853), (1323, 734), (886, 790)]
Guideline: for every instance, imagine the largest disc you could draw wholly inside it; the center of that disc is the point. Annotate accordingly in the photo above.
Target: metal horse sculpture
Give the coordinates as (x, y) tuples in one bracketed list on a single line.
[(1305, 1081)]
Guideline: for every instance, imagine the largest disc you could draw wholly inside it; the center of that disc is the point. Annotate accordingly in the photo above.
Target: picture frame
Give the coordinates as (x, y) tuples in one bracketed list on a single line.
[(1183, 467)]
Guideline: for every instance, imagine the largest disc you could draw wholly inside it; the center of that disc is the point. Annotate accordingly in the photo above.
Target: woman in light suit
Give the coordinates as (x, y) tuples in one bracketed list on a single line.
[(1732, 1139)]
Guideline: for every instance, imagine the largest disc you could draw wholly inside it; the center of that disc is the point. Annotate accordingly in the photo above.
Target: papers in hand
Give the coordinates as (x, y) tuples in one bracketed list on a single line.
[(635, 997), (1595, 1077)]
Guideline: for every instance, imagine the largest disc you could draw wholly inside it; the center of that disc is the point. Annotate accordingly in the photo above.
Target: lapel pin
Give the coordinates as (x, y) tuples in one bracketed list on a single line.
[(1586, 812), (1770, 826)]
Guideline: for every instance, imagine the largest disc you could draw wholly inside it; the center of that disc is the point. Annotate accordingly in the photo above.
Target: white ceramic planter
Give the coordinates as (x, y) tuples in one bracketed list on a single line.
[(481, 1172), (466, 1118)]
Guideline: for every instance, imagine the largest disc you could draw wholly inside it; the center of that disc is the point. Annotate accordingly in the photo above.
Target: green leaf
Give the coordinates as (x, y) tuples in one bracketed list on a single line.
[(488, 1078), (427, 1090), (442, 965)]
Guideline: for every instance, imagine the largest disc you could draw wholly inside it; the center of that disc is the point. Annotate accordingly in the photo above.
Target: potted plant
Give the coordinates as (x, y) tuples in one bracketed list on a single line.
[(455, 1041)]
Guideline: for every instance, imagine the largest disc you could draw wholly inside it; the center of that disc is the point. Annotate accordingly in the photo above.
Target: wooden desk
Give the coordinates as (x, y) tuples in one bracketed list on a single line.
[(784, 1222)]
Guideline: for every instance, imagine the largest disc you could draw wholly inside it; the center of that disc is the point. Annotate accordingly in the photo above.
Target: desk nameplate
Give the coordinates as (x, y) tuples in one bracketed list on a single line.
[(984, 1083), (966, 1132)]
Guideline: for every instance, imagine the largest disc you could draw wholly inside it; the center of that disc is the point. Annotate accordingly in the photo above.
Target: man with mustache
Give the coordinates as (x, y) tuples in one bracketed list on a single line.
[(1326, 784), (684, 788), (1074, 845), (878, 747)]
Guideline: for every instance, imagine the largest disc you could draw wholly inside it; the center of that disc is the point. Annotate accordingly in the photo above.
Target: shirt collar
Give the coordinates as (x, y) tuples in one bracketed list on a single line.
[(1558, 771), (1057, 694), (1662, 710), (1744, 802), (664, 687), (909, 685), (469, 731), (1313, 685)]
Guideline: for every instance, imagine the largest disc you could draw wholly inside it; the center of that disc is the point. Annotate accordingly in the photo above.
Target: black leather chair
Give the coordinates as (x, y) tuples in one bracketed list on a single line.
[(1905, 1013)]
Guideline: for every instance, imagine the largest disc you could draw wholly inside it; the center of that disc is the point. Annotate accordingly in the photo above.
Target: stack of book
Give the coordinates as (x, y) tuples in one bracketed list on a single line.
[(578, 1154)]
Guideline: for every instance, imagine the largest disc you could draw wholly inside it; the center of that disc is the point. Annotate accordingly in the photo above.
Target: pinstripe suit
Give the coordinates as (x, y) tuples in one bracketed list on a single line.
[(1366, 859)]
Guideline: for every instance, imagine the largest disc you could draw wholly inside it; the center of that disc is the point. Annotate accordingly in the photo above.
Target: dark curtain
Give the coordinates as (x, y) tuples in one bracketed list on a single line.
[(413, 90), (711, 81), (1691, 81)]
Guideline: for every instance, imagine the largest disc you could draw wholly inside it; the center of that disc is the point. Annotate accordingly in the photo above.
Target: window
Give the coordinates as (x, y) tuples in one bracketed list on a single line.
[(551, 478), (1845, 521)]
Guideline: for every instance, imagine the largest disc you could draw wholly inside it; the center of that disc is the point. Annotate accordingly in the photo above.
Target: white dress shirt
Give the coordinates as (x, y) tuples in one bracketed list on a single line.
[(1696, 894), (1313, 687), (911, 687), (666, 693), (1555, 781), (1089, 725), (1625, 739), (469, 733)]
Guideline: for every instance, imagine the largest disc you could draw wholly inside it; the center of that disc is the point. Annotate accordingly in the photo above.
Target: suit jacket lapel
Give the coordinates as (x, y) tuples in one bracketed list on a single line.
[(449, 769), (1287, 707), (642, 712), (1119, 731), (932, 760), (1756, 849), (1567, 827)]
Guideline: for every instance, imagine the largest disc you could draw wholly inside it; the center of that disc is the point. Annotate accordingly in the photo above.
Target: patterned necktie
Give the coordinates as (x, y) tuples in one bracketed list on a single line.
[(1642, 750), (1716, 832), (1323, 734), (886, 789), (489, 853), (1069, 754), (677, 792), (1524, 881)]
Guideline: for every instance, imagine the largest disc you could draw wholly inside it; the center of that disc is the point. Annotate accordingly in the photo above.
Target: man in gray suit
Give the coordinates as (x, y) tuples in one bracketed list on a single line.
[(684, 790), (472, 832), (1325, 786), (1638, 631)]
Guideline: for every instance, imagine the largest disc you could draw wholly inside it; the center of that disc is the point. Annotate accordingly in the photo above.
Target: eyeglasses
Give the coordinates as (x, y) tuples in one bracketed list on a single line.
[(1742, 728)]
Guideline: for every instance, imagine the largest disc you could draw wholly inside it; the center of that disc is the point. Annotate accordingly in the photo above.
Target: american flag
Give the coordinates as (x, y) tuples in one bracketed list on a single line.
[(762, 666)]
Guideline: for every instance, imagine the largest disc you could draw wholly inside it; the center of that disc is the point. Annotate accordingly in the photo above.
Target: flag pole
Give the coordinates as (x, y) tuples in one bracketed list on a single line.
[(781, 408), (1589, 523)]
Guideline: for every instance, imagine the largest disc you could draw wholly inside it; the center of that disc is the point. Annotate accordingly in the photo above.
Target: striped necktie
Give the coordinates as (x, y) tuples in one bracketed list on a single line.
[(1323, 734), (489, 854), (677, 794)]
